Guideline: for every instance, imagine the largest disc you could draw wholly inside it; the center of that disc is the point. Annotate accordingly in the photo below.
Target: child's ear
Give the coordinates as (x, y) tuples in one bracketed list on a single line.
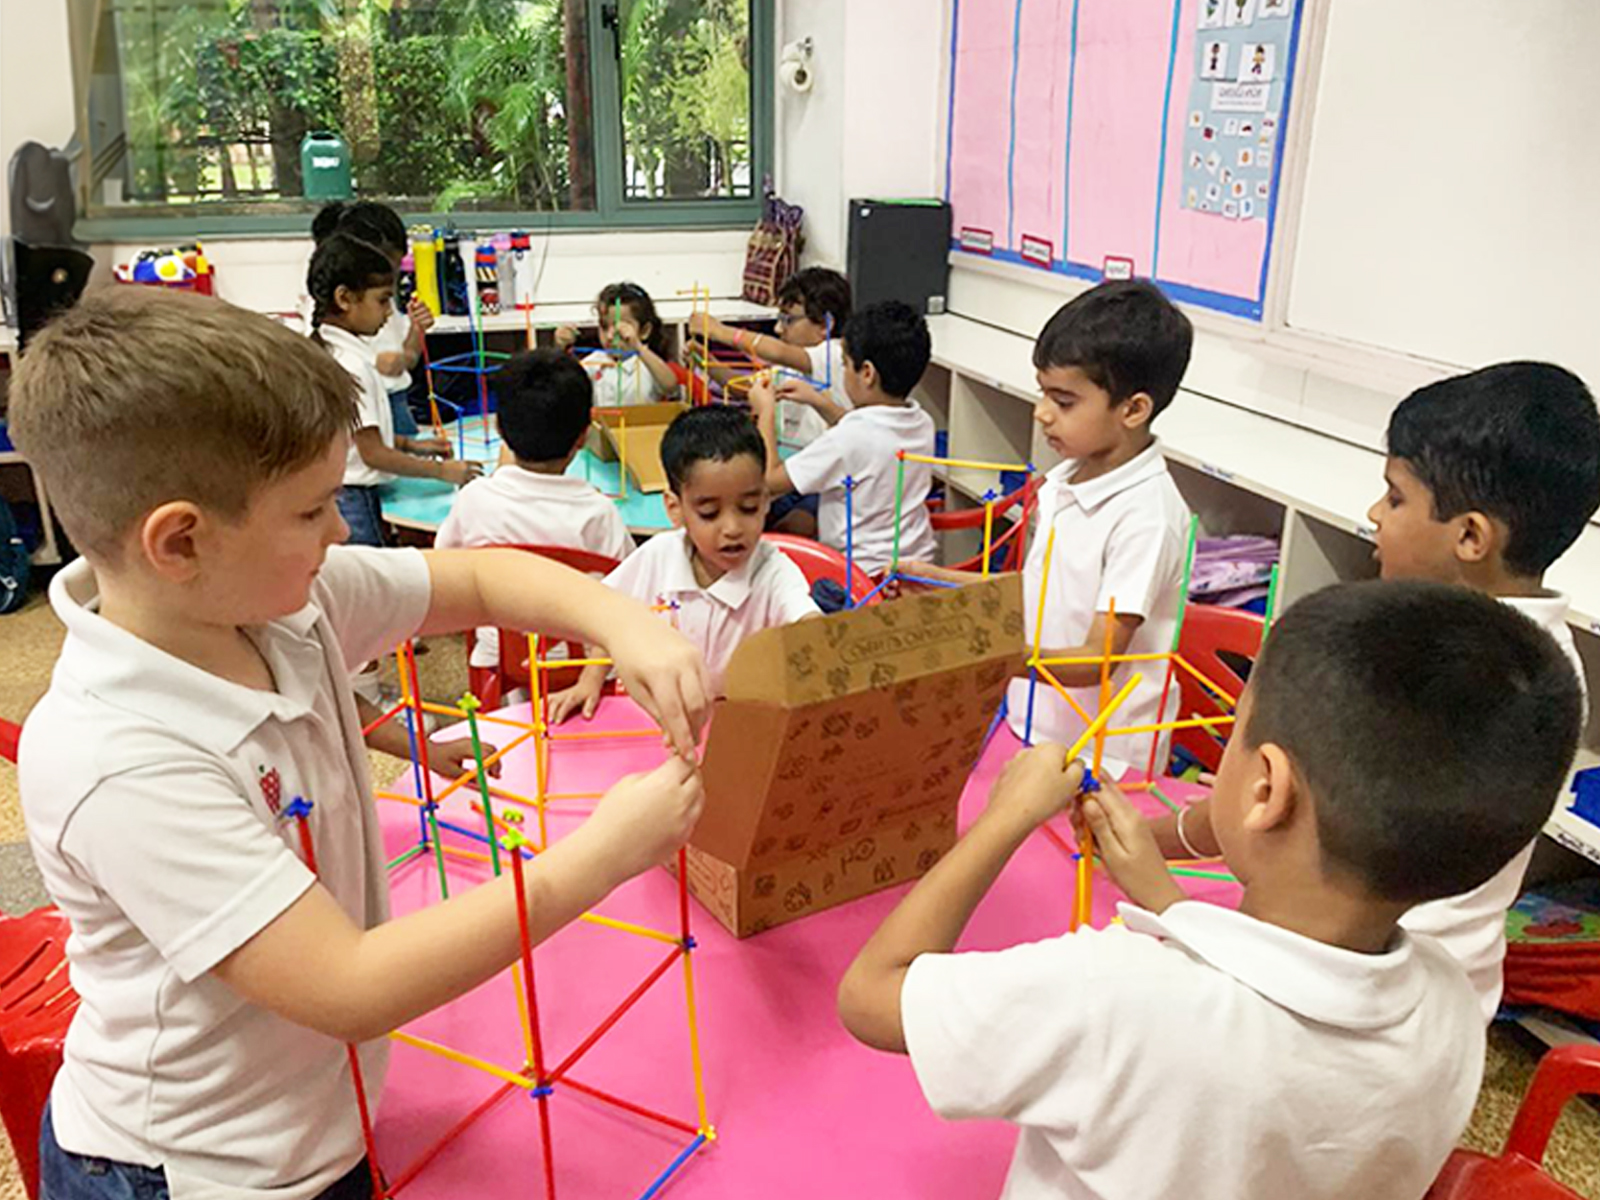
[(170, 538), (344, 298), (1479, 537), (869, 375), (1137, 410), (674, 507), (1276, 793)]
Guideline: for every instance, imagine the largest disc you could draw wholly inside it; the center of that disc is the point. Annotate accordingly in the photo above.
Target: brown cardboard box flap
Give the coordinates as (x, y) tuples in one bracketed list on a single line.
[(646, 426), (836, 728)]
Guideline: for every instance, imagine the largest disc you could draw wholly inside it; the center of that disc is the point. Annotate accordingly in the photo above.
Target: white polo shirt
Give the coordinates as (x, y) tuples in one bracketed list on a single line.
[(620, 381), (1119, 538), (1472, 926), (864, 446), (153, 793), (519, 507), (800, 424), (766, 590), (1202, 1054), (391, 339), (372, 400)]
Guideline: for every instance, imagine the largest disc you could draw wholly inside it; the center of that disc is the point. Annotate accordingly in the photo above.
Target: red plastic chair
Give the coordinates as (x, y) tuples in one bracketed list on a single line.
[(1565, 1072), (36, 1006), (10, 735), (490, 684), (1209, 633), (818, 562), (1010, 542)]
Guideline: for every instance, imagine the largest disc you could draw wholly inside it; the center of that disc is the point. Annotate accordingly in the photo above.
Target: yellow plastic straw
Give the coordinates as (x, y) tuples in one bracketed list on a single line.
[(967, 463), (643, 931), (466, 1060)]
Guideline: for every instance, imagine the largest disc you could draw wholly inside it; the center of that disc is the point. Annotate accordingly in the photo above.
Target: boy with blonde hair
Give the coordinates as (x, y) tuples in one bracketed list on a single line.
[(195, 452)]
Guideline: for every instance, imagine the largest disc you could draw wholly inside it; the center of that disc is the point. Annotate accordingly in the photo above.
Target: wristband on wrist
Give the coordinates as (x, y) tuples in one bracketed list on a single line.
[(1183, 838)]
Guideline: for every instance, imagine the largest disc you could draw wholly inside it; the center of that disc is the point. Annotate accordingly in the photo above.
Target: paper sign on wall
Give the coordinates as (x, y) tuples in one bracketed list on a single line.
[(1118, 268)]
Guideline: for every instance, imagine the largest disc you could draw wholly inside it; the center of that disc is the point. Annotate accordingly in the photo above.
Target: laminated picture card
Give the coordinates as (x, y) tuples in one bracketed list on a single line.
[(835, 764)]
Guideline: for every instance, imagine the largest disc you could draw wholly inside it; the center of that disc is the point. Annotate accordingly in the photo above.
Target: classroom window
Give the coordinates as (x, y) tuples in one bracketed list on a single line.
[(632, 111)]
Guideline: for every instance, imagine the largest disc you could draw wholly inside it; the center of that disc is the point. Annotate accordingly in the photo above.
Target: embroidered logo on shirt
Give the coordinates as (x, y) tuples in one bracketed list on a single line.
[(271, 787)]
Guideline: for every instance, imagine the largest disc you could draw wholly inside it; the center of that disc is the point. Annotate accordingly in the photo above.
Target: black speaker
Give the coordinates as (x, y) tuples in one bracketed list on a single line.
[(900, 250)]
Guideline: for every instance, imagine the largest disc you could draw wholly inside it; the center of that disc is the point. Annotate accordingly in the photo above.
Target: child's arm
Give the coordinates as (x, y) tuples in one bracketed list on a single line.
[(583, 696), (764, 407), (312, 965), (391, 737), (1088, 674), (381, 457), (392, 362), (659, 370), (798, 391), (1127, 848), (1196, 827), (764, 346), (1035, 786), (513, 590)]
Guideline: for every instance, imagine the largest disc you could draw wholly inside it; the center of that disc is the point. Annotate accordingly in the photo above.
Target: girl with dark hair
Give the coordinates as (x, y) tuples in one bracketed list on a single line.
[(631, 364)]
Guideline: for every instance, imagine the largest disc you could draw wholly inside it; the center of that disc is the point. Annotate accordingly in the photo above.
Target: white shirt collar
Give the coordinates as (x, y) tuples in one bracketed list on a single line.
[(343, 339), (1547, 612), (128, 672), (1092, 493), (1322, 983), (537, 483), (732, 590)]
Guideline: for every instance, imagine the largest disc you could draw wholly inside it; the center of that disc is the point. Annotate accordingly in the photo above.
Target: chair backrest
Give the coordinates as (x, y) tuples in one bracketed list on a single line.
[(1219, 643), (36, 1006), (10, 735), (818, 562), (514, 670), (1010, 542), (1564, 1072)]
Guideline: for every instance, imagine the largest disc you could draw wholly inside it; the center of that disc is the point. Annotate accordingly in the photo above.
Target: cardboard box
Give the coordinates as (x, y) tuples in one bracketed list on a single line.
[(835, 765), (646, 425)]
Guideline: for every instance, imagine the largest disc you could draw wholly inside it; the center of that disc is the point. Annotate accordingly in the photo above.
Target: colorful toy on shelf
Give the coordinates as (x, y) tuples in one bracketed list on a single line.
[(184, 267)]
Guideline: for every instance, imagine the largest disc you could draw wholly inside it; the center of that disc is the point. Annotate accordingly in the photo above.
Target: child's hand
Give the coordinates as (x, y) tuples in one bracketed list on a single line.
[(763, 400), (583, 696), (459, 472), (666, 677), (703, 325), (645, 818), (1036, 785), (627, 334), (455, 757), (1125, 844), (421, 315), (566, 337), (799, 391)]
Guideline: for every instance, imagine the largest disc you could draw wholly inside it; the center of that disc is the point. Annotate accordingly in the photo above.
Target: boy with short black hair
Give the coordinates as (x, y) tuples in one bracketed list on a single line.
[(1491, 476), (544, 399), (1306, 1045), (718, 581), (194, 452), (1109, 363), (886, 351)]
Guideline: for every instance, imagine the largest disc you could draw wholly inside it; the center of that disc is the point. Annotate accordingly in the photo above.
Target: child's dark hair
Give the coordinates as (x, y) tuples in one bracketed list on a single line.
[(1432, 725), (823, 294), (711, 433), (1519, 441), (1125, 336), (341, 260), (544, 399), (640, 307), (364, 219), (893, 337)]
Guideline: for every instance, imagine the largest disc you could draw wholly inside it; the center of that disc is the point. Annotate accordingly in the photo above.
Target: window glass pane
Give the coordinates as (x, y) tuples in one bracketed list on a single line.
[(477, 104), (685, 83)]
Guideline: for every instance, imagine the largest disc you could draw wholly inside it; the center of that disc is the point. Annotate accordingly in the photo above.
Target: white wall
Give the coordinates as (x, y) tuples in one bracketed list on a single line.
[(871, 124), (35, 82)]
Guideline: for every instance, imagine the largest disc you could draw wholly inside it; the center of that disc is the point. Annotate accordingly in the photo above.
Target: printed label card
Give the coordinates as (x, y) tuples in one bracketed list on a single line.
[(1230, 127), (1247, 210), (1276, 8), (1211, 14), (1263, 189), (1247, 129), (1214, 192), (1247, 157), (1230, 209), (1213, 161), (1214, 60), (1197, 119)]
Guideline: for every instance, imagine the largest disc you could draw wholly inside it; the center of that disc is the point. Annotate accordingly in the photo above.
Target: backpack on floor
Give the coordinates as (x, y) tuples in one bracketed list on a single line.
[(15, 563)]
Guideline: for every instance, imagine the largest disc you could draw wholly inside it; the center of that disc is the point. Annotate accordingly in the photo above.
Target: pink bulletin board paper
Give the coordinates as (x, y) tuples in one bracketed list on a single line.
[(980, 119), (1203, 250), (1123, 48), (800, 1108), (1039, 156)]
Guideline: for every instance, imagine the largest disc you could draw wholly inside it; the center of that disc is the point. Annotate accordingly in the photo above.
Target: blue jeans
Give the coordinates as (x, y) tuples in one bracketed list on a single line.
[(405, 421), (361, 510), (67, 1176)]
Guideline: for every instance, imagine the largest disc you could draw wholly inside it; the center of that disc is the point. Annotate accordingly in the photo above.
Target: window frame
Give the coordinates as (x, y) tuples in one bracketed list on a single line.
[(612, 210)]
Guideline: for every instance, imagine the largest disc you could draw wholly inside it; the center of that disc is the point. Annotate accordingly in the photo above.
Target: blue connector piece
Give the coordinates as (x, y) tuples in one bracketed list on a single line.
[(299, 808), (1090, 783)]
